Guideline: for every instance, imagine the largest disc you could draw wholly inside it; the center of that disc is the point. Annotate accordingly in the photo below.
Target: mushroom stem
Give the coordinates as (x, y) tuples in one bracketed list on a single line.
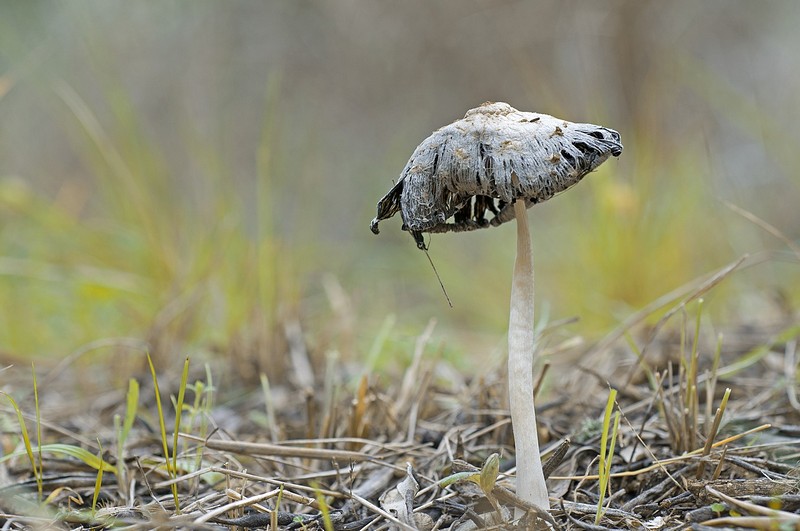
[(521, 344)]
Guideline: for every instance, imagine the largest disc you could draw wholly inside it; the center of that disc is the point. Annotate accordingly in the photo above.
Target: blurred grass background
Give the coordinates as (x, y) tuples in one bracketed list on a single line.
[(199, 174)]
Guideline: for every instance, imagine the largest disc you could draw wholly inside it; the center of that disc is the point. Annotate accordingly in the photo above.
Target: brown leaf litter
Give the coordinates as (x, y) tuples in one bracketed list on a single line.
[(372, 455)]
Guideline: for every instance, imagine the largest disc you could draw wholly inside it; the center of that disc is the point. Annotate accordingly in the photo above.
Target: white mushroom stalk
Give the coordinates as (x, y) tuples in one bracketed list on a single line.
[(521, 347), (501, 161)]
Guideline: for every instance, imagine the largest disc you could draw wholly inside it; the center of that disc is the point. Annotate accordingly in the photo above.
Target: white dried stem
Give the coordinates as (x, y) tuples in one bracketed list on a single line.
[(531, 485)]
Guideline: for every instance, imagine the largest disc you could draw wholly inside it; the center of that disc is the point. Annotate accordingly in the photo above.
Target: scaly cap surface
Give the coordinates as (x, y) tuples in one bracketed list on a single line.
[(486, 160)]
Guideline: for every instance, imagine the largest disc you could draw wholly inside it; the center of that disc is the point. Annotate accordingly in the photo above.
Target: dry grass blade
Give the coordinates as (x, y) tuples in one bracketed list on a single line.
[(759, 352), (275, 450), (661, 463), (753, 508), (374, 508), (718, 469), (764, 225), (790, 373), (411, 377), (688, 292), (713, 432), (270, 408), (237, 483), (766, 523), (286, 485), (244, 502), (359, 409), (298, 354)]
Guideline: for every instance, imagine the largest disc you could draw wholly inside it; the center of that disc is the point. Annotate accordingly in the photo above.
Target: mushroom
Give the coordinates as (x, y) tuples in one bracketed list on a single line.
[(503, 161)]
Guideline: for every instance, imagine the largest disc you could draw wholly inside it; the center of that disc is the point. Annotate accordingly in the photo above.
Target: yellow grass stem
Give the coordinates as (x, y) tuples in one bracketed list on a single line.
[(38, 432), (270, 407), (123, 430), (713, 432), (711, 381), (26, 440), (131, 408), (661, 463), (323, 508), (178, 415), (607, 443), (273, 516), (76, 452), (98, 482), (160, 410)]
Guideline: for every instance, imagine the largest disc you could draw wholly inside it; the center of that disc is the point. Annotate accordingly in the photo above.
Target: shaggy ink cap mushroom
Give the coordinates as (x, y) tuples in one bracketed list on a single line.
[(482, 163), (500, 160)]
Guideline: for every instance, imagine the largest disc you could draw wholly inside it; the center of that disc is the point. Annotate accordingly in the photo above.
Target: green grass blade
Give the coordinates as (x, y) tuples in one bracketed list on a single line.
[(273, 517), (604, 468), (160, 412), (489, 472), (377, 345), (39, 473), (122, 428), (131, 408), (68, 450), (606, 474), (758, 353), (612, 444), (98, 482), (459, 476), (178, 414), (327, 523), (25, 439)]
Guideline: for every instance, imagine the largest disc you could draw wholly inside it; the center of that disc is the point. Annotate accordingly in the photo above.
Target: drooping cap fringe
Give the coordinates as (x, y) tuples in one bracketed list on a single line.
[(495, 154)]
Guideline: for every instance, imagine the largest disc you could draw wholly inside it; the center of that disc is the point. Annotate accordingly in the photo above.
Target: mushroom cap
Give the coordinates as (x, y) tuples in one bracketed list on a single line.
[(488, 159)]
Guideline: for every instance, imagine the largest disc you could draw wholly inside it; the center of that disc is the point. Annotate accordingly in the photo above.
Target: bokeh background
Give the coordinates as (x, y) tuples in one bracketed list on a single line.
[(201, 175)]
